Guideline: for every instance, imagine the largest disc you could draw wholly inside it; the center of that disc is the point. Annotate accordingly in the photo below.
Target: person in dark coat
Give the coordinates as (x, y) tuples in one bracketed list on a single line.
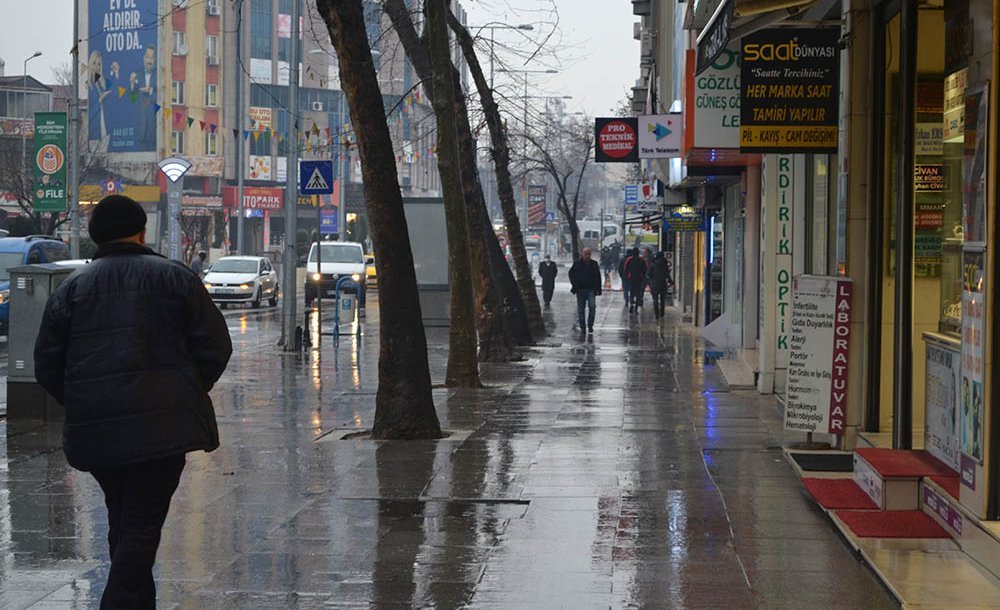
[(198, 264), (548, 272), (585, 282), (635, 275), (659, 283), (131, 344)]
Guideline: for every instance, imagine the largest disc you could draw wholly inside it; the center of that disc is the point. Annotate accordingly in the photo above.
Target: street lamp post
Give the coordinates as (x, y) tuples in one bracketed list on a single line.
[(24, 108), (527, 27)]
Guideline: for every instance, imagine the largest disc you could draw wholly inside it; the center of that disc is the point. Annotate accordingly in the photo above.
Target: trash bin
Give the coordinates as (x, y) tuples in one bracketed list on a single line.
[(30, 287)]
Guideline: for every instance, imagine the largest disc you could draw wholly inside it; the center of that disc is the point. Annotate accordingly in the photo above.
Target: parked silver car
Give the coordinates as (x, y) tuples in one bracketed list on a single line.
[(242, 279)]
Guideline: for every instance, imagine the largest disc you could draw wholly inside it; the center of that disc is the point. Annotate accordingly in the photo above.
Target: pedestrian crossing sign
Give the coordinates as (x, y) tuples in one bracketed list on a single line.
[(316, 177)]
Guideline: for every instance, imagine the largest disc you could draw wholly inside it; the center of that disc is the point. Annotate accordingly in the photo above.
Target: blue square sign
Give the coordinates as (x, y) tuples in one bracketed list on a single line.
[(316, 177)]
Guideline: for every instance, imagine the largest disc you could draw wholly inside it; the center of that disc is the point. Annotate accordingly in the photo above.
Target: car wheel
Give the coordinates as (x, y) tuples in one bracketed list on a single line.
[(255, 303), (273, 301)]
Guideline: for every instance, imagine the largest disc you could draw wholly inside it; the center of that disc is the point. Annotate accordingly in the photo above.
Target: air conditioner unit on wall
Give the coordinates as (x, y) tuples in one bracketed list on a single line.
[(182, 49), (317, 106), (213, 8), (213, 60), (637, 30)]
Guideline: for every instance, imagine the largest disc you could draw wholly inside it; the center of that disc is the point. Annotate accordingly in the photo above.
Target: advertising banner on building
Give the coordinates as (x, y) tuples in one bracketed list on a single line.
[(49, 186), (789, 90), (717, 102), (942, 397), (260, 118), (816, 392), (974, 164), (255, 197), (616, 140), (536, 205), (120, 75), (660, 136), (973, 360)]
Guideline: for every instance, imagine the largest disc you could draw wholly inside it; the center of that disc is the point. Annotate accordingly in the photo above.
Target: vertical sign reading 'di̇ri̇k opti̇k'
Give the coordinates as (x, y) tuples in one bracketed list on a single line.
[(789, 79)]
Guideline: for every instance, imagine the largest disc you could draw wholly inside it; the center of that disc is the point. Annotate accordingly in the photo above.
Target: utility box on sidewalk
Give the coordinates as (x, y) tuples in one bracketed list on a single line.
[(30, 287), (429, 242)]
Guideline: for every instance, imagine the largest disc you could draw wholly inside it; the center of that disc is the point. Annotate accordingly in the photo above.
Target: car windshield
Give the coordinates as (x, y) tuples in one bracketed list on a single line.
[(234, 266), (337, 253), (8, 260)]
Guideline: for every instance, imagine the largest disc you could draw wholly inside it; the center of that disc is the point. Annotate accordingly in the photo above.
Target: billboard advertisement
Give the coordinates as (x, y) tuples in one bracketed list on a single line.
[(536, 205), (49, 188), (120, 76)]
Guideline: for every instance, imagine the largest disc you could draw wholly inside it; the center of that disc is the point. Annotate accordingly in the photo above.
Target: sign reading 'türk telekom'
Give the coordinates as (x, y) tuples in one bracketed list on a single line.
[(616, 140)]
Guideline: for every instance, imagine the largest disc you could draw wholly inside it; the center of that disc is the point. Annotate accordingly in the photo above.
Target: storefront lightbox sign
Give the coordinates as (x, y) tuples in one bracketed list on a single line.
[(684, 219), (660, 135), (942, 391), (790, 90), (717, 102), (973, 361), (816, 392), (616, 140)]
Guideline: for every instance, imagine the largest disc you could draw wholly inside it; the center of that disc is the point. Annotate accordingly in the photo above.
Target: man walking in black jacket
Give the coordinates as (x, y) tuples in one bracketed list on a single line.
[(585, 279), (131, 345)]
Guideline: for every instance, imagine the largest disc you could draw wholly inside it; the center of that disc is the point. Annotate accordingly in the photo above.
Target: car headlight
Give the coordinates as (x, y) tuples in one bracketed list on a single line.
[(245, 286), (316, 277), (208, 286), (356, 277)]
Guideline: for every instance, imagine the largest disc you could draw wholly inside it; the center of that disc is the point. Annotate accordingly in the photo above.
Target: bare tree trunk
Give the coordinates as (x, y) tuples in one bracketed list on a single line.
[(505, 189), (501, 316), (404, 406), (463, 367)]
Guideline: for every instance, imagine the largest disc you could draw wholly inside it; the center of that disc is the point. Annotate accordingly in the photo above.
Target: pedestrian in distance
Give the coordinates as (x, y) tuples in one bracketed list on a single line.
[(621, 276), (659, 283), (198, 264), (548, 272), (635, 275), (131, 344), (585, 282)]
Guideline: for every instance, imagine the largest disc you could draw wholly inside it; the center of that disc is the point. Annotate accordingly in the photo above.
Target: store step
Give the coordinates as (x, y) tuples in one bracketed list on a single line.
[(891, 477), (978, 539), (736, 372)]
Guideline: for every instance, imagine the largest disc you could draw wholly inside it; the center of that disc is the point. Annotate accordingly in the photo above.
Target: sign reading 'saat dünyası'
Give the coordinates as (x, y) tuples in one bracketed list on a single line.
[(789, 90)]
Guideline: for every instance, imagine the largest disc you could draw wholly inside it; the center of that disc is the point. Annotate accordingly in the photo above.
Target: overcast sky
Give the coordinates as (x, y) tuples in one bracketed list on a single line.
[(597, 58)]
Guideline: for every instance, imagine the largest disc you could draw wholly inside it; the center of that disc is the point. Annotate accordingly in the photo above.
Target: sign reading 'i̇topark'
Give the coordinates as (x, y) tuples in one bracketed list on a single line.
[(789, 91)]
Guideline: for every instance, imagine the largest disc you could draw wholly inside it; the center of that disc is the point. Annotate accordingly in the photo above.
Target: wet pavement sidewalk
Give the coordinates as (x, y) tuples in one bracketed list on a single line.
[(611, 470)]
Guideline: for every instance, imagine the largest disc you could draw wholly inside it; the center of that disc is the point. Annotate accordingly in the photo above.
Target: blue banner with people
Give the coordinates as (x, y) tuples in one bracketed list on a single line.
[(120, 75)]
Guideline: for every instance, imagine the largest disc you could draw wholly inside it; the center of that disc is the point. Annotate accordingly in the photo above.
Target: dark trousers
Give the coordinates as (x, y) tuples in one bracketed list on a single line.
[(584, 299), (659, 302), (636, 292), (137, 498), (547, 289), (625, 291)]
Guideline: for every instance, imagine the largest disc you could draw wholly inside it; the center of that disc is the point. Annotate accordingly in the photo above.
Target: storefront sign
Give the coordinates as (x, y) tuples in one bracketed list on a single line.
[(49, 186), (631, 195), (683, 219), (790, 90), (816, 393), (206, 166), (928, 139), (931, 179), (536, 205), (616, 140), (974, 165), (660, 136), (717, 102), (202, 201), (973, 354), (954, 104), (942, 396), (328, 221), (714, 38), (783, 258), (255, 197), (943, 509)]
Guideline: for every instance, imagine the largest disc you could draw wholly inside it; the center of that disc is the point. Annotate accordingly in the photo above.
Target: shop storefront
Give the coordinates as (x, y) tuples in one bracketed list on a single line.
[(933, 256)]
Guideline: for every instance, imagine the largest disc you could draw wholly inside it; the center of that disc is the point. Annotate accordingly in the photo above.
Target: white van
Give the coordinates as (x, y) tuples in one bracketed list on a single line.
[(332, 261)]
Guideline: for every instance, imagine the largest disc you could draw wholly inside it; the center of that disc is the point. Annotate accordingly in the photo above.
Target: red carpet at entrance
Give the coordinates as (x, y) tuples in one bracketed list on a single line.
[(949, 484), (839, 493), (891, 524), (901, 463)]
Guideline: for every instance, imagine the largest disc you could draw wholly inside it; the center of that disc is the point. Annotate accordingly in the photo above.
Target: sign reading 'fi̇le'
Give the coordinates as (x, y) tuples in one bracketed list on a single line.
[(816, 393), (789, 90)]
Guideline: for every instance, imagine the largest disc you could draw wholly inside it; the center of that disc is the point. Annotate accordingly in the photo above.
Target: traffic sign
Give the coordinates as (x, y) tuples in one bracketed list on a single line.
[(316, 177), (631, 194)]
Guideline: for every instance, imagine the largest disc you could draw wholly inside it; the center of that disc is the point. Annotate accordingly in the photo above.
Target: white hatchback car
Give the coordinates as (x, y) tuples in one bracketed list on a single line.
[(242, 279)]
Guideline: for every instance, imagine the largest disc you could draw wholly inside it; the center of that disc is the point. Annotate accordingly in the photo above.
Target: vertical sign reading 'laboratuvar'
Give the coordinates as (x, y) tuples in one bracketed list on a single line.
[(120, 75), (789, 79)]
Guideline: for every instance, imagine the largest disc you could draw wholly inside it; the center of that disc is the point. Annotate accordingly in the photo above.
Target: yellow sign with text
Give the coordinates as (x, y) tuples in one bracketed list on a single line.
[(789, 136)]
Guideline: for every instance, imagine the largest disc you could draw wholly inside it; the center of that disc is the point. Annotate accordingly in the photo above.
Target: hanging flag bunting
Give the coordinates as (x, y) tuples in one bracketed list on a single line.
[(211, 127), (133, 96), (203, 125), (236, 133), (190, 121), (156, 107), (167, 112), (121, 91), (246, 134), (256, 136)]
